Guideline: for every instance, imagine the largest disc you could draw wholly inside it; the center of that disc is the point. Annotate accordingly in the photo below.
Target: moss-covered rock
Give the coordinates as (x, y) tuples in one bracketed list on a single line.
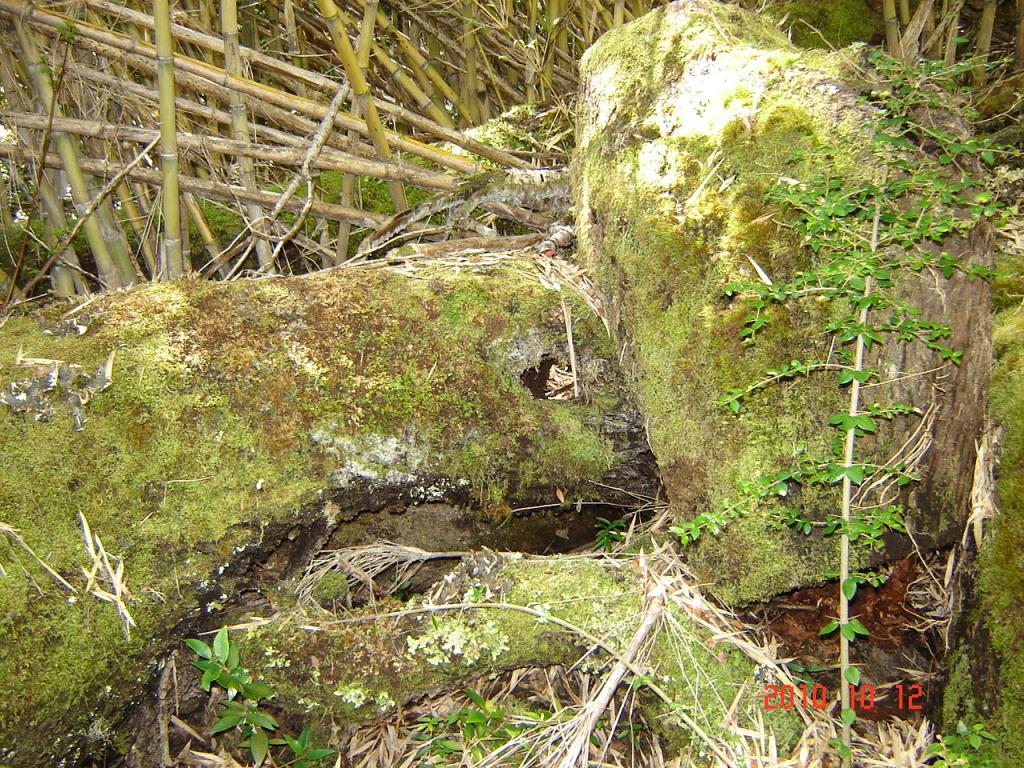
[(244, 421), (686, 119)]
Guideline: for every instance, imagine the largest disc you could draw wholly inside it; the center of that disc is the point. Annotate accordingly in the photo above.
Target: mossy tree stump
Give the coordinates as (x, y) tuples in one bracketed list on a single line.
[(686, 119)]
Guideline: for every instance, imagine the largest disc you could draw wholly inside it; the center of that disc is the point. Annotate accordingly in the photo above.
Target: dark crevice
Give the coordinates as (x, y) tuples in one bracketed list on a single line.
[(536, 379)]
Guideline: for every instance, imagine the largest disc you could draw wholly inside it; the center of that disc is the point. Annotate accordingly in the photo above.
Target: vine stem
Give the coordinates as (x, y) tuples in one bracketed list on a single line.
[(844, 540)]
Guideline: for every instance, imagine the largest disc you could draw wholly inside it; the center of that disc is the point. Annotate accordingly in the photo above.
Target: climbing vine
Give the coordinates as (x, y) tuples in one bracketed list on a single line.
[(864, 235)]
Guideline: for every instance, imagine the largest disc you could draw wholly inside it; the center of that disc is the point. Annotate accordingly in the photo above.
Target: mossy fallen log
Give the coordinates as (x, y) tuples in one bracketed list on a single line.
[(688, 122), (331, 671), (214, 436)]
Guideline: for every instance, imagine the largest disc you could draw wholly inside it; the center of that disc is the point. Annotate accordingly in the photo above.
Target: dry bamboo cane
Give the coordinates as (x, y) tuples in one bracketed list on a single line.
[(984, 41), (206, 188), (289, 73), (110, 274), (361, 91), (240, 127), (272, 102), (171, 264), (291, 33), (211, 114), (189, 142), (418, 60)]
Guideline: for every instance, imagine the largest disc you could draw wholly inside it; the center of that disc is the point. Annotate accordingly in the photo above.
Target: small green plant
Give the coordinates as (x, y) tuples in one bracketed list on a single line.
[(609, 533), (963, 749), (475, 731), (220, 665), (68, 31)]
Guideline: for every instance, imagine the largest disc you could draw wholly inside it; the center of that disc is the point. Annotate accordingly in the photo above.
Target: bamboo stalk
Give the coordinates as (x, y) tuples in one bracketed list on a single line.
[(171, 264), (533, 55), (468, 80), (892, 29), (905, 12), (361, 91), (240, 126), (348, 181), (394, 70), (135, 220), (291, 34), (983, 43), (547, 79), (418, 60), (210, 243), (44, 95), (949, 54), (54, 218)]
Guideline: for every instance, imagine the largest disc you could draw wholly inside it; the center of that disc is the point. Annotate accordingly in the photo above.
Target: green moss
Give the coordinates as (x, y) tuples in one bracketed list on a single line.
[(1008, 284), (1001, 574), (522, 128), (231, 406), (958, 694), (672, 108), (827, 25)]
